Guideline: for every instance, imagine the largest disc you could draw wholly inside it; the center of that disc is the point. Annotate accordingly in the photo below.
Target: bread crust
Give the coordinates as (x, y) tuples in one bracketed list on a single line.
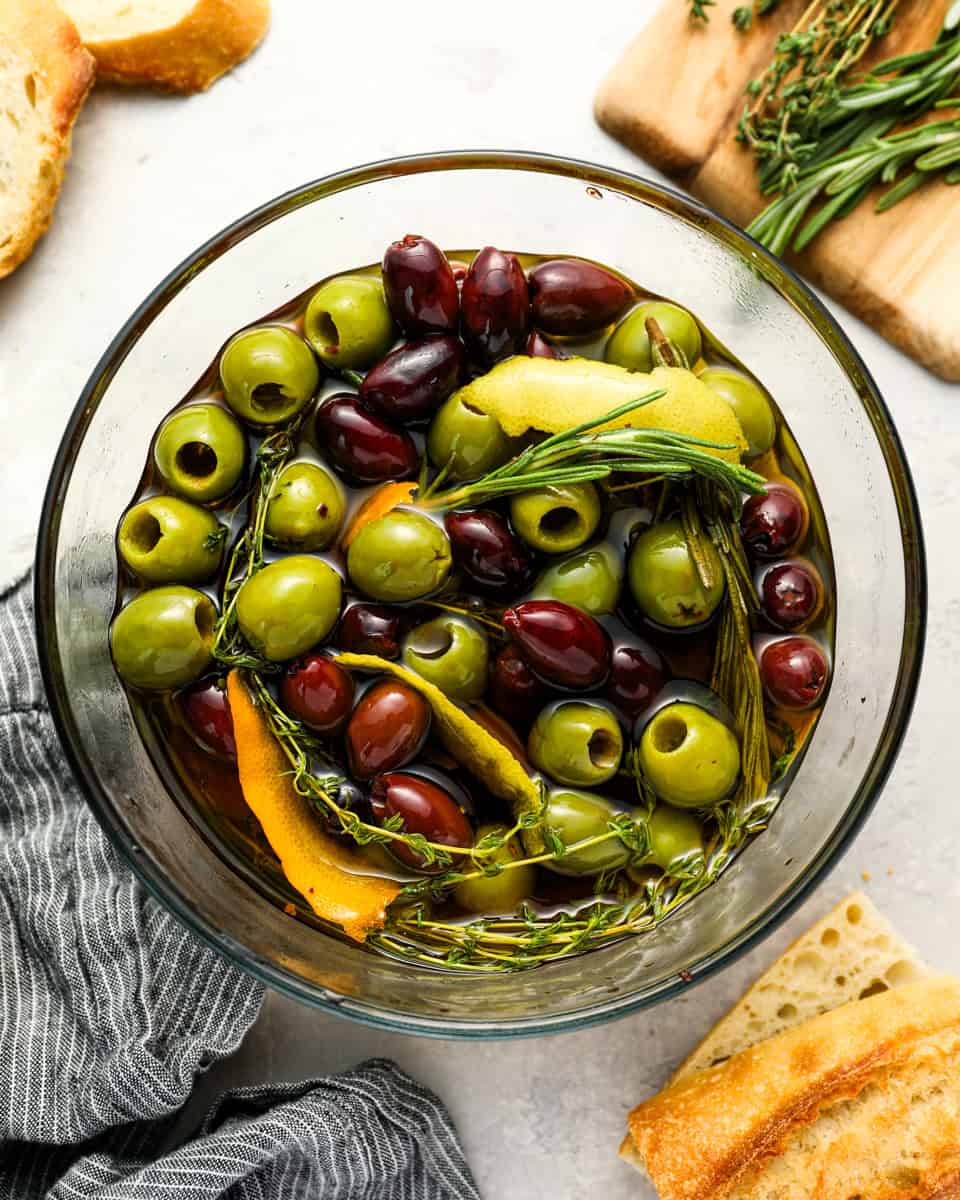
[(51, 51), (189, 56), (701, 1137)]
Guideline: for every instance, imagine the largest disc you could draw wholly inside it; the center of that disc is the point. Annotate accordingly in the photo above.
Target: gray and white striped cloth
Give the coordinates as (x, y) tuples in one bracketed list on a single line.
[(109, 1007)]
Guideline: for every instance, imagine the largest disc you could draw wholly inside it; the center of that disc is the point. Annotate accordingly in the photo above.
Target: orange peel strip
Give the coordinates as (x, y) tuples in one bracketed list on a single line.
[(385, 499), (334, 880)]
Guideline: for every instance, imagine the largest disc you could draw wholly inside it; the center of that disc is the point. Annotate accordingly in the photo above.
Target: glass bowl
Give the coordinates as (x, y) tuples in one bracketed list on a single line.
[(672, 245)]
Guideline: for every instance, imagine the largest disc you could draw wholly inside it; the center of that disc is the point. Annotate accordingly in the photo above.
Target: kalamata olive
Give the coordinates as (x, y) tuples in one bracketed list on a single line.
[(425, 808), (207, 709), (537, 346), (361, 445), (371, 629), (485, 549), (637, 675), (317, 692), (561, 643), (773, 523), (495, 303), (571, 296), (415, 379), (387, 729), (420, 288), (791, 594), (794, 672), (515, 692)]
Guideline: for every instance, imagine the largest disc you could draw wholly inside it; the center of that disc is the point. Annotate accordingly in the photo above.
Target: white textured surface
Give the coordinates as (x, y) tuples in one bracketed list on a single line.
[(334, 86)]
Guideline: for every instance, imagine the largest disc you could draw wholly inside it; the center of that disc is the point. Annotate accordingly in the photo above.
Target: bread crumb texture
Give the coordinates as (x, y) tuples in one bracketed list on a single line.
[(45, 74)]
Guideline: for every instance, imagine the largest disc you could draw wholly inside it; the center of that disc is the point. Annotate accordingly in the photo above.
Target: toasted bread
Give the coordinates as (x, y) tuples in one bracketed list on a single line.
[(45, 75), (179, 45)]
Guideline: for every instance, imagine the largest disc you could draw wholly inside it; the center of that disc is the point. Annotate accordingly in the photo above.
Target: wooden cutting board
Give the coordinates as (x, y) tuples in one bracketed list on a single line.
[(675, 97)]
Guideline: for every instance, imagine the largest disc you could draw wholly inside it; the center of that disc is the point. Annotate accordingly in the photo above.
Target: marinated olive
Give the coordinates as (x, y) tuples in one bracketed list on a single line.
[(576, 743), (415, 379), (370, 629), (629, 344), (400, 556), (420, 287), (791, 594), (269, 374), (317, 692), (515, 692), (571, 296), (289, 606), (589, 580), (537, 346), (750, 405), (558, 518), (665, 581), (676, 840), (689, 757), (387, 729), (486, 551), (206, 707), (501, 893), (794, 672), (576, 816), (360, 445), (638, 673), (495, 304), (306, 508), (166, 540), (347, 322), (562, 644), (425, 808), (466, 441), (773, 523), (162, 638), (451, 653), (200, 452)]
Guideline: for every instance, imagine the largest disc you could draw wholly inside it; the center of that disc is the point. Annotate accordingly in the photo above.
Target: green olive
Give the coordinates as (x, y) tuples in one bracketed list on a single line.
[(289, 606), (576, 742), (499, 894), (306, 508), (466, 441), (676, 839), (575, 816), (347, 322), (590, 580), (200, 452), (750, 403), (167, 540), (690, 758), (556, 519), (269, 374), (629, 344), (451, 653), (162, 638), (400, 556), (665, 581)]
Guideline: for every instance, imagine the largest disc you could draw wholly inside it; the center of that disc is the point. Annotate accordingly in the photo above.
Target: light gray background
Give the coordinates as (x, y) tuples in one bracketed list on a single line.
[(337, 85)]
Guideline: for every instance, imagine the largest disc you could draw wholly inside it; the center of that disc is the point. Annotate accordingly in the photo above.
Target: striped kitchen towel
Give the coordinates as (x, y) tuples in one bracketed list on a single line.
[(109, 1007)]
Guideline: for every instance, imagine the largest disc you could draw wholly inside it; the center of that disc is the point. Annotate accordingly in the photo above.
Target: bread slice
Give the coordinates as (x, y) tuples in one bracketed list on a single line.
[(180, 45), (45, 75), (851, 953), (863, 1101)]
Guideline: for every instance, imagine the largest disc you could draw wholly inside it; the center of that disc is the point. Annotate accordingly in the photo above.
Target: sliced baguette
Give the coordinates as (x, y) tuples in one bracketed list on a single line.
[(45, 75), (180, 45), (863, 1101)]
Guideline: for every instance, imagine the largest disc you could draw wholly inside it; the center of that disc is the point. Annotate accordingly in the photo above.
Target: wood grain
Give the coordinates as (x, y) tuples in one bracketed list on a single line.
[(675, 97)]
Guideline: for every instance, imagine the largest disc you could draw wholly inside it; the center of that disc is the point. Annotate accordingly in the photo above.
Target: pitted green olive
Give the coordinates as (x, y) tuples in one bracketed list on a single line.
[(162, 638), (576, 816), (501, 893), (576, 742), (289, 606), (452, 653), (306, 508), (398, 557), (558, 518), (629, 344), (689, 757), (665, 581), (589, 580), (269, 374), (466, 441), (167, 540), (750, 405), (200, 452), (347, 322)]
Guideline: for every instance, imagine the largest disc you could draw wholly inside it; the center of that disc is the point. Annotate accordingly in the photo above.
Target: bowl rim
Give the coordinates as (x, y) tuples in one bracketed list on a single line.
[(779, 909)]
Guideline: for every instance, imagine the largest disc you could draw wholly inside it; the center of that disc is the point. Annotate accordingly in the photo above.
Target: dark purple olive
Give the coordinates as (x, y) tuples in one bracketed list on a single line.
[(485, 549), (638, 674), (495, 303), (424, 807), (794, 672), (773, 523), (362, 446), (207, 710), (791, 594), (538, 347), (420, 288), (387, 729), (415, 379), (370, 629), (515, 692), (563, 644), (570, 296), (317, 692)]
